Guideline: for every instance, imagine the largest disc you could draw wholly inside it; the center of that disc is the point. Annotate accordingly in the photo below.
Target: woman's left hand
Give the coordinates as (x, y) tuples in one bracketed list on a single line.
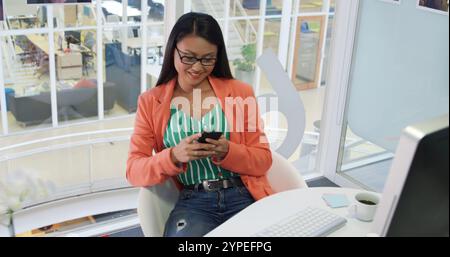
[(221, 147)]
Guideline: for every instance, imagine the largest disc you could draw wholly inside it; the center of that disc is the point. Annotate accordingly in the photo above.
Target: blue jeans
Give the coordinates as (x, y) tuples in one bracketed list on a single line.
[(199, 212)]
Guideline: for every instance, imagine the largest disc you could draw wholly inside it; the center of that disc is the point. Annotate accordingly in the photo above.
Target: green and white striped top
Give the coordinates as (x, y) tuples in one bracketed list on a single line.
[(182, 125)]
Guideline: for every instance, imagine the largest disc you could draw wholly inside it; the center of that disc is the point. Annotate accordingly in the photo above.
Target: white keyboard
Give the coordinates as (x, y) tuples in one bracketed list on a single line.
[(309, 222)]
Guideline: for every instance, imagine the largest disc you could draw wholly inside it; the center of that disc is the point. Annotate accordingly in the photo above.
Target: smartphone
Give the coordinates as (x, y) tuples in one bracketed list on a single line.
[(212, 135)]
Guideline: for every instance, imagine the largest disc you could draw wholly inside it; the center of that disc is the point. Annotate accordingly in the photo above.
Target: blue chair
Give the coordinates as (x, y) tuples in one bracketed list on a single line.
[(305, 27), (9, 91)]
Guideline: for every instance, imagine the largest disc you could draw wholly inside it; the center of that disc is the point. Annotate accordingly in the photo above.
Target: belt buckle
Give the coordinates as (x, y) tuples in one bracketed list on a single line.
[(207, 185)]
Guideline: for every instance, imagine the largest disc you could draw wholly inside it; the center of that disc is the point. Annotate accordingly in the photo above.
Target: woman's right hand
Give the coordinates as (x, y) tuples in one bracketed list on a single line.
[(189, 150)]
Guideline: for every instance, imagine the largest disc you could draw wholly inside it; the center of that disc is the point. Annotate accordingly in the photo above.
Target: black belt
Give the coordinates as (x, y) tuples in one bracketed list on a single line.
[(216, 185)]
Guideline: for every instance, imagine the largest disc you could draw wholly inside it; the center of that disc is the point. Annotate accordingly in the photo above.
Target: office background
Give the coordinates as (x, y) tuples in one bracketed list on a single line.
[(67, 117)]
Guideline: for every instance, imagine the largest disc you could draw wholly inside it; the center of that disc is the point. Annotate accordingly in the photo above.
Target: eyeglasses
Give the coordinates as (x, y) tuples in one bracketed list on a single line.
[(191, 60)]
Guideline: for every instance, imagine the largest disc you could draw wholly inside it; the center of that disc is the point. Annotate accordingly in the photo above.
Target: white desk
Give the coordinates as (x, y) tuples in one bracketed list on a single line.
[(276, 207), (39, 41)]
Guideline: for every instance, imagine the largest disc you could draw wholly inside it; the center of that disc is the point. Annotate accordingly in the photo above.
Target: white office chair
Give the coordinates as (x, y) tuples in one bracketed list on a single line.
[(283, 175), (154, 206), (155, 203)]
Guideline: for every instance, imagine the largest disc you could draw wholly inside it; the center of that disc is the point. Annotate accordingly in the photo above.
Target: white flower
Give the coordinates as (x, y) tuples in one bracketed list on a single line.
[(18, 187)]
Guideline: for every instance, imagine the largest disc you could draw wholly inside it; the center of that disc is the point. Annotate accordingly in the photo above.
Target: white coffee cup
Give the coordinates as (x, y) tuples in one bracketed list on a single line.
[(366, 205)]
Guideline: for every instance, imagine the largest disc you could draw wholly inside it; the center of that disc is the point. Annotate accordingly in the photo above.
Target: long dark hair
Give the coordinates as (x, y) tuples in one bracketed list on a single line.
[(202, 25)]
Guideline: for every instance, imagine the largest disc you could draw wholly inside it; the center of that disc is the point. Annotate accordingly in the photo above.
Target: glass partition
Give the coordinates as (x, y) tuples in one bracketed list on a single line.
[(387, 89), (115, 11), (68, 177), (155, 53), (326, 57), (241, 49), (19, 15), (1, 119), (107, 174), (272, 29), (306, 6), (26, 62), (75, 15), (27, 81), (1, 10), (309, 40), (156, 10), (243, 8), (332, 6), (316, 6), (213, 8), (122, 66), (76, 75)]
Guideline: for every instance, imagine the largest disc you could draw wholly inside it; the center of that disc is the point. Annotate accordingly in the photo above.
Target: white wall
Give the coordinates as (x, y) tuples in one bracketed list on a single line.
[(400, 70)]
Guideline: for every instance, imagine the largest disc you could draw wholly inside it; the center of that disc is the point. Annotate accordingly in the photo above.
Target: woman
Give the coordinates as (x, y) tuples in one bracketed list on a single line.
[(218, 178)]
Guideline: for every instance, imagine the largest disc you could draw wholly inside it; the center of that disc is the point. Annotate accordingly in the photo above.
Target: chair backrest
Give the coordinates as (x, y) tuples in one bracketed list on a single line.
[(155, 203), (283, 175), (154, 206)]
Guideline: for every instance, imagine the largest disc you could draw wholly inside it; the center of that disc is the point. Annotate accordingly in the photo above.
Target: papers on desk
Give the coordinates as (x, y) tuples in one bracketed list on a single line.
[(335, 200)]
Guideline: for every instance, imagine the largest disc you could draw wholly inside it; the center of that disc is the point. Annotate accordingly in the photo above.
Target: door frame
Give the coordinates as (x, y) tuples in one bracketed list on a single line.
[(341, 59)]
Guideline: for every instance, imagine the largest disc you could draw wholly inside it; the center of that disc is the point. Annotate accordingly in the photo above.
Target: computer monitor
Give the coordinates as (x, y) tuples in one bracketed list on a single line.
[(415, 197)]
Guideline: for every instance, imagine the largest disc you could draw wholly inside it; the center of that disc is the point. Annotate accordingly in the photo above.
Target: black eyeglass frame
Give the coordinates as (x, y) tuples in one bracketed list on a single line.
[(182, 57)]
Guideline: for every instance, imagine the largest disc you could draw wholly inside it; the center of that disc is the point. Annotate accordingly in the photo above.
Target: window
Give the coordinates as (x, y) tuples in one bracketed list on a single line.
[(82, 73), (19, 15), (122, 69), (74, 15), (63, 89), (27, 81), (388, 90), (249, 30)]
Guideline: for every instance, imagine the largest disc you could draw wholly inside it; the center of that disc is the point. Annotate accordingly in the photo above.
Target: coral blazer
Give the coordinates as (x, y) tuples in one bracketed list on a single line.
[(249, 153)]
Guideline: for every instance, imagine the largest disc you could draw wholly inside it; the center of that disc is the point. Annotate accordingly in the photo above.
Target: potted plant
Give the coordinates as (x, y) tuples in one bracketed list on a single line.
[(245, 66)]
